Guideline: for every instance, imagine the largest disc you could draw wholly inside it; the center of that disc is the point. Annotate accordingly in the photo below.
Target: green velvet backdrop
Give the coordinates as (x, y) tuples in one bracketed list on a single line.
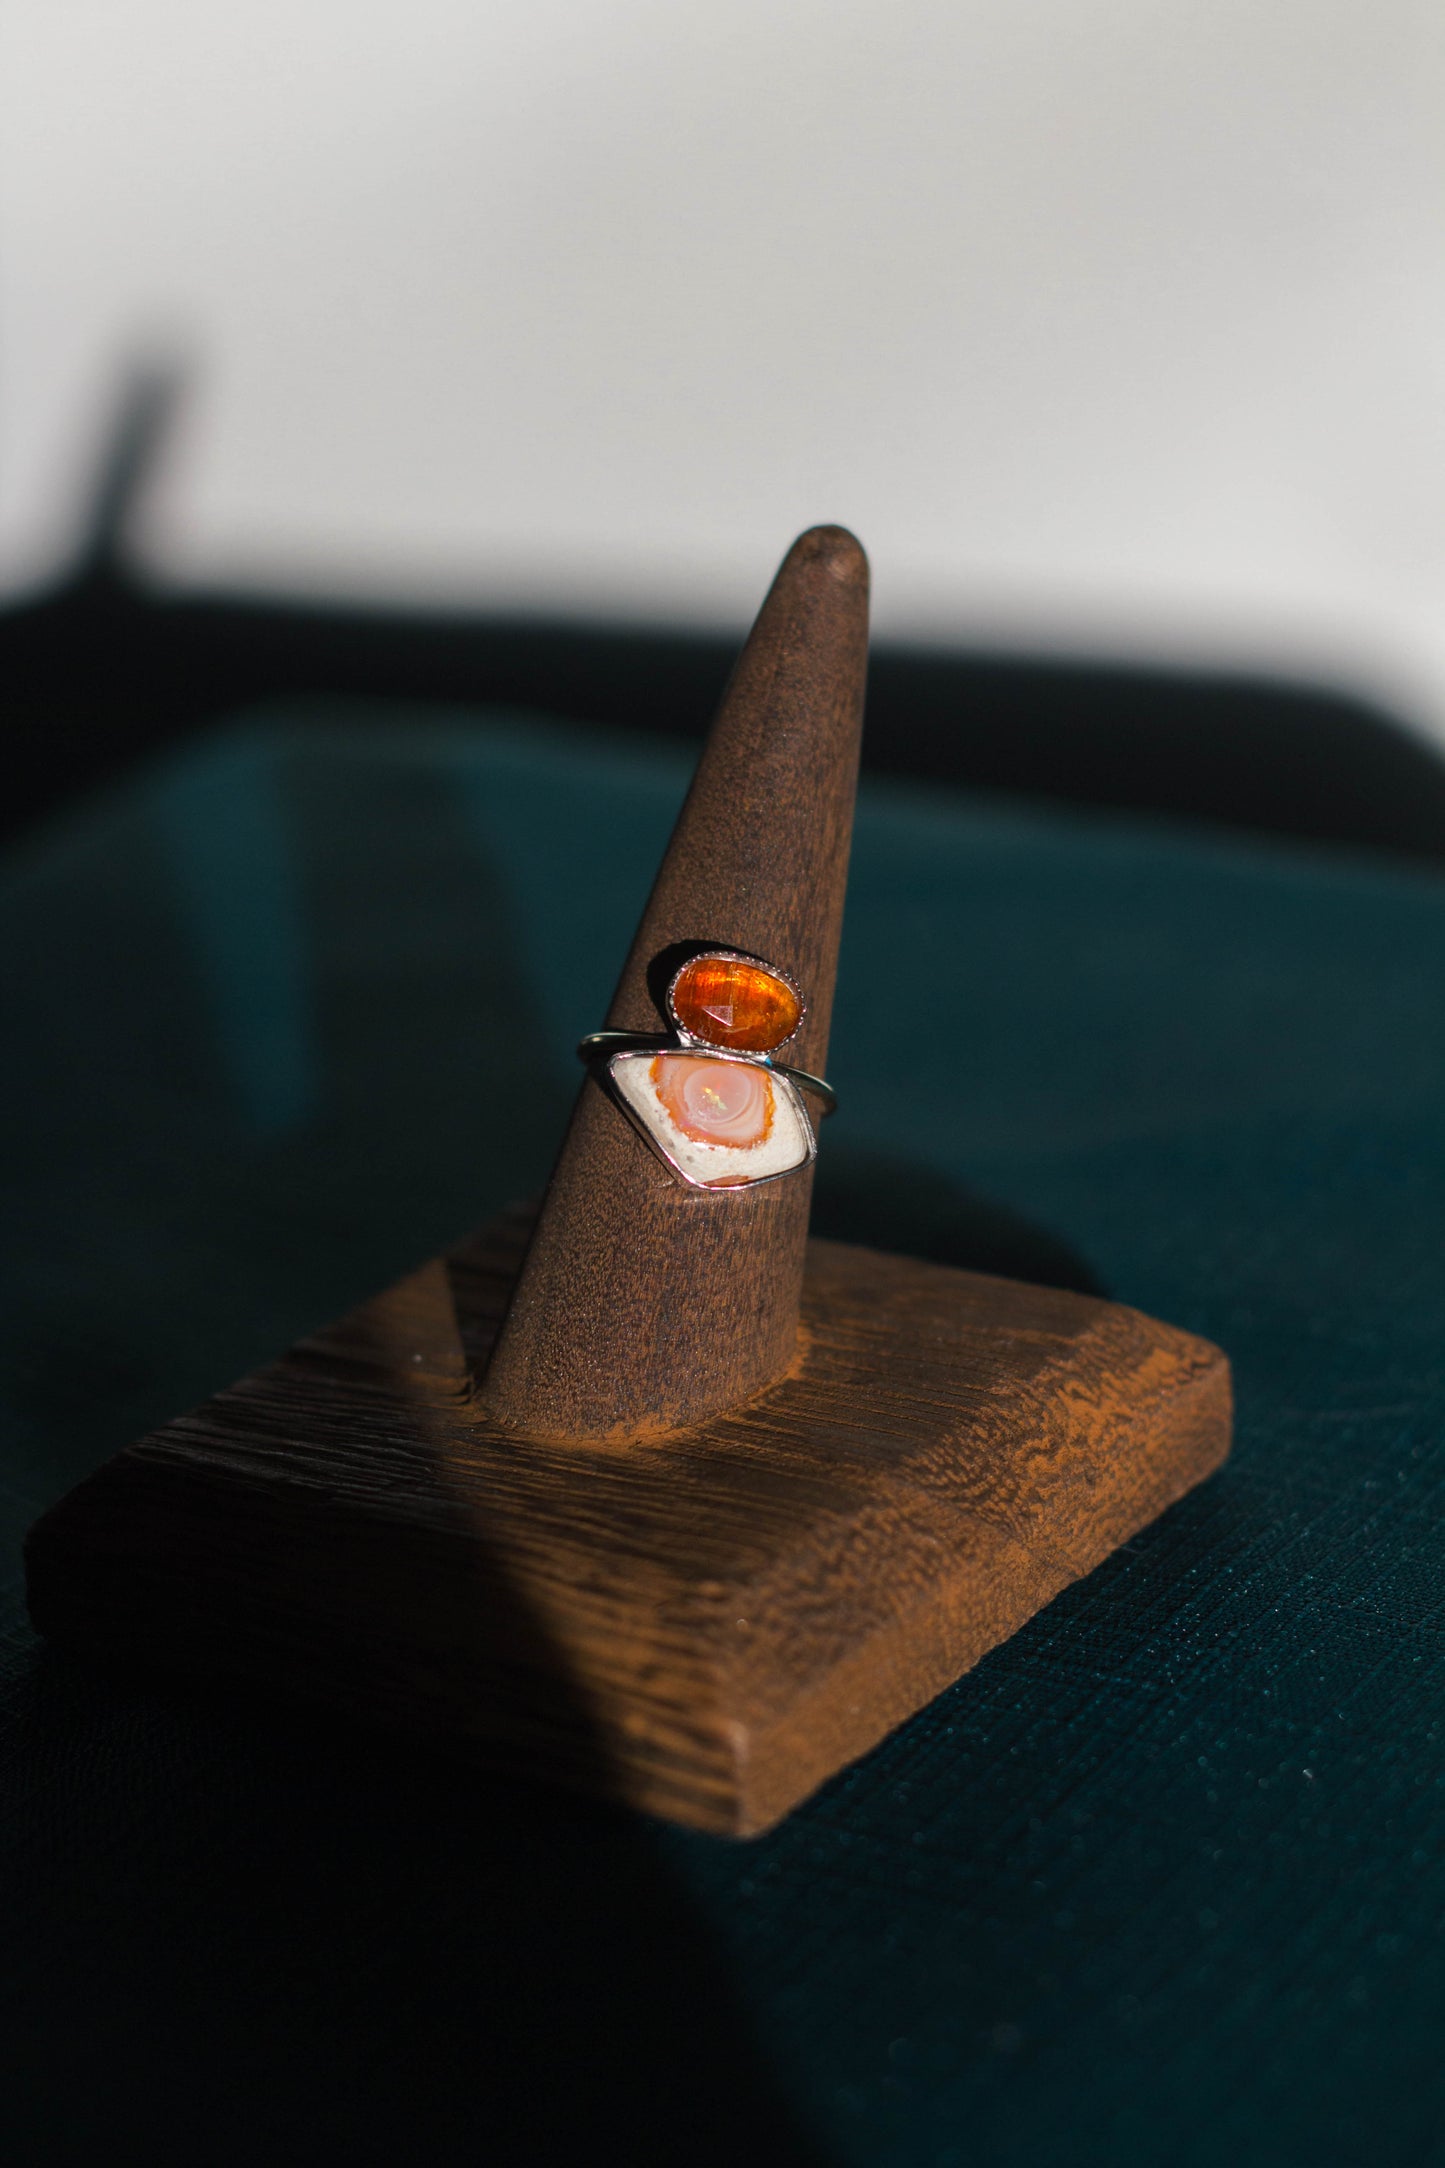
[(1163, 1881)]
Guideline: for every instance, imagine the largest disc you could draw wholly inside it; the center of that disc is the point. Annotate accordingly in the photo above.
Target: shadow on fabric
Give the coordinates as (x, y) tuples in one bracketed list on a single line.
[(885, 1202), (249, 1942)]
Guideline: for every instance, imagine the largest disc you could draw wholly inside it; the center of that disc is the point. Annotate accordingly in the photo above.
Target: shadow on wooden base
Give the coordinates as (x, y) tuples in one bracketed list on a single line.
[(705, 1626)]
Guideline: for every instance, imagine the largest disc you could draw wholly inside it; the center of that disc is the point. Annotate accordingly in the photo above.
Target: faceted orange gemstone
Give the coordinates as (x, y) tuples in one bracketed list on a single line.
[(727, 1002)]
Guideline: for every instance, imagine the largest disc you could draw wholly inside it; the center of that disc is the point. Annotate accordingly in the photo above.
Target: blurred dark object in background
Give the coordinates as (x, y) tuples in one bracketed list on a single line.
[(108, 667)]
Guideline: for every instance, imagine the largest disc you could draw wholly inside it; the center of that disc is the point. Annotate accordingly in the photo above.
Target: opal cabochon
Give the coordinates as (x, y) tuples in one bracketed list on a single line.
[(719, 1123)]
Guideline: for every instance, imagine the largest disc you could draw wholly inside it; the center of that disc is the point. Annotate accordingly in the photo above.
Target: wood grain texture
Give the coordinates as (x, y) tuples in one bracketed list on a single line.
[(706, 1625), (644, 1305)]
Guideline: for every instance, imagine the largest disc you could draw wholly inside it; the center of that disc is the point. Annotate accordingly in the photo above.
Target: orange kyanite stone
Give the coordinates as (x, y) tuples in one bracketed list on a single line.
[(727, 1002)]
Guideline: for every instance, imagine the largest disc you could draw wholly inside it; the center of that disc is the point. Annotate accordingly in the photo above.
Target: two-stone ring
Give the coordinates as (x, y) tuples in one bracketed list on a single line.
[(708, 1095)]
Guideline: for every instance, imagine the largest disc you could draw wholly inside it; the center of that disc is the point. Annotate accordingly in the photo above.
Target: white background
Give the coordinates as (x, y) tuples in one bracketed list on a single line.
[(1114, 325)]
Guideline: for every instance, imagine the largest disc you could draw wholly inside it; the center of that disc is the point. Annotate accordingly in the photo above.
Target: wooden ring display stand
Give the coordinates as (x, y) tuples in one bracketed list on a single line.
[(646, 1492)]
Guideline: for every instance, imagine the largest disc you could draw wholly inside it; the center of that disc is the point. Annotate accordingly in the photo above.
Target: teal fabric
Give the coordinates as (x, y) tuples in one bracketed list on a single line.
[(1162, 1881)]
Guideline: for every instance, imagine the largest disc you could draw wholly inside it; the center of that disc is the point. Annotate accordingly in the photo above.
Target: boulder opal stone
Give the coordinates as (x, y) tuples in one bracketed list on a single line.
[(715, 1102), (717, 1123)]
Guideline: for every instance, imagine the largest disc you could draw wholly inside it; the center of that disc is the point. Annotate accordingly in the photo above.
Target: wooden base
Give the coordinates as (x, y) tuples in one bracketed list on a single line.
[(706, 1625)]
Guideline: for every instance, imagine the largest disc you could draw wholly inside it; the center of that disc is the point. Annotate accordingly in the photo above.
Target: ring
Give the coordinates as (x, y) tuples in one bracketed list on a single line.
[(708, 1095)]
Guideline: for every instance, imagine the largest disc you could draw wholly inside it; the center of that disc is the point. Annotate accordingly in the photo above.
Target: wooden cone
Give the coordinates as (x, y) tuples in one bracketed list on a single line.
[(747, 1588), (642, 1305)]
